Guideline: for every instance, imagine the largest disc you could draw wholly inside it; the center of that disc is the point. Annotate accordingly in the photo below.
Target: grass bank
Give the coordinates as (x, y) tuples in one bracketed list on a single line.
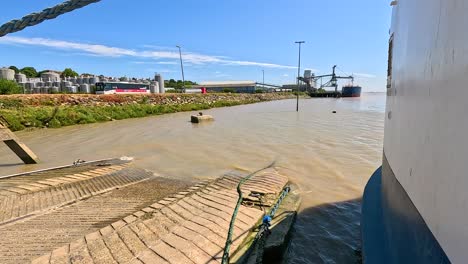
[(54, 111)]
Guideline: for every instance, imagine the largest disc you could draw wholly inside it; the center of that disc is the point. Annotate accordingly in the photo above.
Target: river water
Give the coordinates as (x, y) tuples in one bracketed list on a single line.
[(330, 156)]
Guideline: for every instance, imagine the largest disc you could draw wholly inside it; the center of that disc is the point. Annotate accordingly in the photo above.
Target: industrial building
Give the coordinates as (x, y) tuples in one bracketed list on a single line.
[(228, 86), (235, 86), (293, 87), (306, 83)]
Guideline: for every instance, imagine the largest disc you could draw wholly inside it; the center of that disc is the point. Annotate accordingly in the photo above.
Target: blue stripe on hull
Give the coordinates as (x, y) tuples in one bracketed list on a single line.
[(393, 231)]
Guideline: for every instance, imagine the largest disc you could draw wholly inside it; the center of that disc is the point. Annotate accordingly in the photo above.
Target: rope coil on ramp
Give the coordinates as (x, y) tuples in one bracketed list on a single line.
[(46, 14)]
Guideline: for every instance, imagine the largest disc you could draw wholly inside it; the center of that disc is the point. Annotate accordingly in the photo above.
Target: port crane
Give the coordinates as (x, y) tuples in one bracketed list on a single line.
[(311, 80)]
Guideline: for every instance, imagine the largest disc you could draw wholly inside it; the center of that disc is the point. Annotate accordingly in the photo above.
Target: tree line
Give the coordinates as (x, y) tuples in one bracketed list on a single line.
[(178, 84)]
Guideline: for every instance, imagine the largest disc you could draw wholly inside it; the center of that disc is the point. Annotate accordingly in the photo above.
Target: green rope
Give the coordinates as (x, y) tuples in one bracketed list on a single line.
[(259, 241), (228, 244), (46, 14)]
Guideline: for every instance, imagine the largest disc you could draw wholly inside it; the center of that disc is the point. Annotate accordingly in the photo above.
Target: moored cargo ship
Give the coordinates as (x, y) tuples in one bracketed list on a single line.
[(351, 91)]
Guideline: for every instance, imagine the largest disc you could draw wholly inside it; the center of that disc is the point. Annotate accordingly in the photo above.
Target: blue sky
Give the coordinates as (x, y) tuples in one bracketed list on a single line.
[(221, 40)]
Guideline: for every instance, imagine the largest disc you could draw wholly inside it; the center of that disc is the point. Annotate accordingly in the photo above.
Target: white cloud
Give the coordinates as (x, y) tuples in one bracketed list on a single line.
[(89, 48), (156, 47), (142, 62), (285, 75), (156, 62), (260, 64), (364, 75), (168, 62), (107, 51), (159, 70)]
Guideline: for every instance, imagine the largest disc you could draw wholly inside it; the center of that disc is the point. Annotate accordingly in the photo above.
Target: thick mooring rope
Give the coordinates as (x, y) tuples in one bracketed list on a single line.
[(228, 244), (46, 14), (264, 229)]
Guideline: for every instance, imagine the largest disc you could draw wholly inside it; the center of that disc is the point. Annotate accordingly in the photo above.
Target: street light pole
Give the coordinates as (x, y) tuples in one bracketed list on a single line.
[(181, 66), (263, 71), (298, 74)]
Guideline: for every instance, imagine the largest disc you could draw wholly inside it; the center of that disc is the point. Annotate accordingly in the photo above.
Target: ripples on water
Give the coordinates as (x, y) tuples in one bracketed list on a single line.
[(330, 156)]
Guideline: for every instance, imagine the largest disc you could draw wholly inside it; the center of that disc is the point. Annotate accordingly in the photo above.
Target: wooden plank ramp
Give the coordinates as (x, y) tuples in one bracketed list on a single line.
[(44, 210), (30, 193), (187, 227)]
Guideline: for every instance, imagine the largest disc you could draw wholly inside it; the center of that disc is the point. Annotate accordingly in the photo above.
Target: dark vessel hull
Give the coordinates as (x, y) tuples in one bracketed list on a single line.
[(393, 230), (351, 91)]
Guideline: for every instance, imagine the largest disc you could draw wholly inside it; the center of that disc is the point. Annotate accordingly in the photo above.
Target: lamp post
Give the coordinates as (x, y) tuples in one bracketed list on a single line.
[(263, 71), (181, 67), (298, 74)]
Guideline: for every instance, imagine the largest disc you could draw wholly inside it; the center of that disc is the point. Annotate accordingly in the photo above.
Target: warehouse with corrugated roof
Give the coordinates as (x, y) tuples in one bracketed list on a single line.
[(228, 86)]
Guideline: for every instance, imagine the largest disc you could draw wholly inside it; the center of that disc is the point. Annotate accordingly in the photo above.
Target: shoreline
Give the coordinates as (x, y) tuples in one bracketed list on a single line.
[(28, 112)]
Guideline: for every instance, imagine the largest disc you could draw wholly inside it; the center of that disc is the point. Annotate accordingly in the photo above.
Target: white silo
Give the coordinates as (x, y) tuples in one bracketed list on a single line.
[(29, 87), (21, 78), (44, 90), (158, 78), (25, 88), (93, 80), (72, 89), (64, 85), (154, 87), (50, 76), (84, 88), (6, 73)]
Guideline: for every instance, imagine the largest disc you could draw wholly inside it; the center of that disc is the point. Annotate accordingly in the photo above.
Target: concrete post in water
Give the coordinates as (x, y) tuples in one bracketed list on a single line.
[(200, 118), (19, 148)]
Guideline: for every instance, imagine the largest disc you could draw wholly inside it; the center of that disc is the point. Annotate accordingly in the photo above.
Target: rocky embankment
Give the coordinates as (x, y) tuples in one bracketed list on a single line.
[(39, 111)]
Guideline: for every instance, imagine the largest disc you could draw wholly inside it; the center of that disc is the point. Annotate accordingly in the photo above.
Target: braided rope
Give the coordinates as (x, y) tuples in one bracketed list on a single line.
[(228, 244), (46, 14), (264, 231)]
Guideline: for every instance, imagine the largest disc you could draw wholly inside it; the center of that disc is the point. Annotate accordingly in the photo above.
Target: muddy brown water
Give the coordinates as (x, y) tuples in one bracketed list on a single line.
[(330, 156)]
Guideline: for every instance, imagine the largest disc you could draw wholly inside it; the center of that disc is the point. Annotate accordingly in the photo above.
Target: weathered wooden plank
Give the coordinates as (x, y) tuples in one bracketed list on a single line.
[(187, 227)]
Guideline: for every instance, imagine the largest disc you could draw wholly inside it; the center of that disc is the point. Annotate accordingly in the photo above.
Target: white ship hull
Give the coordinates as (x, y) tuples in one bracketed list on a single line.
[(417, 205)]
